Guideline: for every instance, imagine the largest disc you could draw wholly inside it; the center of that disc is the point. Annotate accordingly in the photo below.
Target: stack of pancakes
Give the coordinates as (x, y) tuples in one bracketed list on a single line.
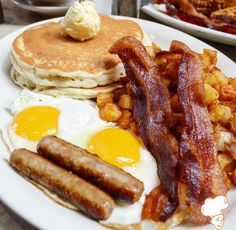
[(45, 61)]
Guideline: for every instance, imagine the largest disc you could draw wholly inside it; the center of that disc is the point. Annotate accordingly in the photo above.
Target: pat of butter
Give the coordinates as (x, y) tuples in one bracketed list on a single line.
[(81, 21)]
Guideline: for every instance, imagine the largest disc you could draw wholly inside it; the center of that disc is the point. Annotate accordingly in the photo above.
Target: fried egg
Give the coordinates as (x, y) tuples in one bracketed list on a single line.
[(122, 149), (35, 115), (78, 122)]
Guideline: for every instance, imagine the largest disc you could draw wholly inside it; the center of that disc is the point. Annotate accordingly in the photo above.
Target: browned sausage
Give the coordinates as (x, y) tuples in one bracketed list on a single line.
[(83, 195), (123, 187)]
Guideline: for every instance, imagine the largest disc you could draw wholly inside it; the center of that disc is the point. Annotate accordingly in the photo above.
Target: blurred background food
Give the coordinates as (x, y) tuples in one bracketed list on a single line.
[(206, 7)]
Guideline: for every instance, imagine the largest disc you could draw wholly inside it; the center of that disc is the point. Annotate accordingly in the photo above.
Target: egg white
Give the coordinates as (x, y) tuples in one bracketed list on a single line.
[(146, 171), (78, 120)]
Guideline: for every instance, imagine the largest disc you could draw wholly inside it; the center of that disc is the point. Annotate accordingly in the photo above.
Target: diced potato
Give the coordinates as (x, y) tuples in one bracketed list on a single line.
[(211, 94), (232, 82), (152, 50), (209, 58), (133, 128), (118, 92), (125, 102), (227, 163), (110, 112), (210, 79), (175, 104), (227, 93), (231, 147), (104, 98), (220, 77), (220, 113), (128, 88), (233, 177), (125, 119), (233, 123), (222, 138)]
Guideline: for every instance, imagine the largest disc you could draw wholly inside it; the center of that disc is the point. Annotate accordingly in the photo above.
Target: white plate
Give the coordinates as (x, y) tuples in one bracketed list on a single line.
[(49, 10), (28, 201), (158, 12)]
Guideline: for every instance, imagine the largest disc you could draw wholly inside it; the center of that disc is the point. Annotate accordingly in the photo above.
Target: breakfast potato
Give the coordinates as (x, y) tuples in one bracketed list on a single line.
[(125, 119), (110, 112), (221, 78), (118, 92), (104, 98), (227, 163), (211, 80), (209, 58), (227, 93), (133, 128), (220, 113), (232, 82), (125, 102), (233, 123), (211, 94)]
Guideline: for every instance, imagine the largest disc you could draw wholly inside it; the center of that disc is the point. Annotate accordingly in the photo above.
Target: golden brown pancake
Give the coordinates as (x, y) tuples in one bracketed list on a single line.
[(45, 47), (46, 61)]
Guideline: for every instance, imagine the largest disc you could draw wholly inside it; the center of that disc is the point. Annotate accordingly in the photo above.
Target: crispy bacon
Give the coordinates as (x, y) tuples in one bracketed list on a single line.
[(189, 172), (152, 114), (198, 161), (156, 206)]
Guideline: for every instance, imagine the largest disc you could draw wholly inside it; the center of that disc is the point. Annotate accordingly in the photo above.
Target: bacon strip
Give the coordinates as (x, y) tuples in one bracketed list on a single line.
[(189, 172), (199, 165), (152, 114)]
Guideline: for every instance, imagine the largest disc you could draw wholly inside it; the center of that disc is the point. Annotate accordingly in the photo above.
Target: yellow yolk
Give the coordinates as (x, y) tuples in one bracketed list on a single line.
[(35, 122), (115, 146)]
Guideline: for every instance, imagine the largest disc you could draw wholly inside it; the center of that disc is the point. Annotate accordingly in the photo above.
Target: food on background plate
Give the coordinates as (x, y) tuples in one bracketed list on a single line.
[(185, 10), (47, 62), (227, 15), (207, 7), (83, 195), (81, 21)]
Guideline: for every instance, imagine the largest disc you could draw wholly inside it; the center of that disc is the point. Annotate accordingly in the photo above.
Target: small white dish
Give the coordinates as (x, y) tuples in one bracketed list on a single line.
[(158, 12), (49, 10)]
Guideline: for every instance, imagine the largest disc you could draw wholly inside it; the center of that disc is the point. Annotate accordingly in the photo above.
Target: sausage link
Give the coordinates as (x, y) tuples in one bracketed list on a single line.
[(122, 186), (83, 195)]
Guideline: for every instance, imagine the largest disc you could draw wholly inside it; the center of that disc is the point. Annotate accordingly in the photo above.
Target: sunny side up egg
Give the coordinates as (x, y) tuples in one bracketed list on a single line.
[(78, 122), (36, 115)]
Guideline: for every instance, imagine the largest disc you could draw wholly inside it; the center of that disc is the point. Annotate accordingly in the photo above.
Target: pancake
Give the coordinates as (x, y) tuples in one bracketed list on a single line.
[(72, 92), (44, 57)]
